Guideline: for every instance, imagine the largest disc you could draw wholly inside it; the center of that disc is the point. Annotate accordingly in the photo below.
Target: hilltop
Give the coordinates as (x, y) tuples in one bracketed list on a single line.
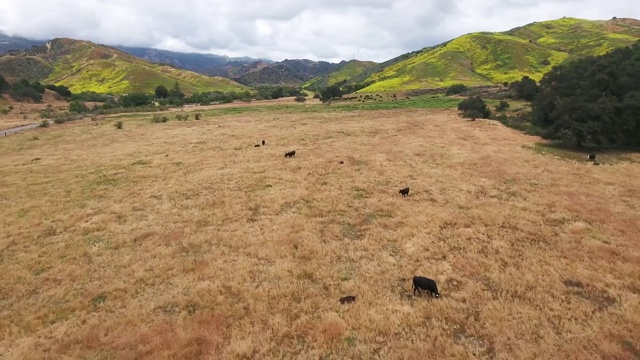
[(85, 66), (484, 58), (343, 71)]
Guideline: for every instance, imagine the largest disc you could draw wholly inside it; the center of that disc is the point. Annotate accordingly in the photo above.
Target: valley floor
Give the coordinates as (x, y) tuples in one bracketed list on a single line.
[(183, 240)]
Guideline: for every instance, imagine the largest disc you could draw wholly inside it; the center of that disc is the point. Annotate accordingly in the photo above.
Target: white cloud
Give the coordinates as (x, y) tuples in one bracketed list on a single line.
[(277, 29)]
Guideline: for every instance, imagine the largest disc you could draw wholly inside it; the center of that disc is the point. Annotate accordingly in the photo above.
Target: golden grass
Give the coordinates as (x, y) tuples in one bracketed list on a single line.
[(183, 241)]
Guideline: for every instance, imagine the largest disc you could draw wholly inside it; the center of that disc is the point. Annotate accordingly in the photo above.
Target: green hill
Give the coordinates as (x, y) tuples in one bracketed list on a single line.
[(493, 58), (343, 71), (85, 66)]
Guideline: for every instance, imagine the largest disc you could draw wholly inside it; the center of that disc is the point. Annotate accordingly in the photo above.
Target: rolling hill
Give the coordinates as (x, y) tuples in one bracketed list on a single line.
[(85, 66), (493, 58), (343, 71)]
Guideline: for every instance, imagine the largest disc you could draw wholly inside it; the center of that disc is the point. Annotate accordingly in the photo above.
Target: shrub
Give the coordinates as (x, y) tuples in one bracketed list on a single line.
[(118, 124), (159, 119), (182, 117), (300, 99), (474, 107), (197, 116), (503, 105), (78, 107), (456, 89), (44, 124)]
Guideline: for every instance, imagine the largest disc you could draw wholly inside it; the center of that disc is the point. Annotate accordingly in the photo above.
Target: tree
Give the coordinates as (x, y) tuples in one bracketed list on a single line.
[(4, 85), (330, 93), (135, 100), (176, 92), (456, 89), (474, 107), (593, 101), (503, 105), (162, 92), (78, 107), (525, 89)]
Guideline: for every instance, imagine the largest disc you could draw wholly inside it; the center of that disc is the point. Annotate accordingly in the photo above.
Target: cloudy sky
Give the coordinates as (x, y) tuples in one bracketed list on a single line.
[(330, 30)]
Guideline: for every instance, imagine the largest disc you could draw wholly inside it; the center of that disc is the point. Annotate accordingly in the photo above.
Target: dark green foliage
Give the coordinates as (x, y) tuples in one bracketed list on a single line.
[(60, 89), (4, 85), (44, 124), (135, 100), (176, 91), (159, 119), (162, 92), (90, 96), (276, 92), (474, 107), (118, 124), (301, 99), (182, 117), (456, 89), (525, 89), (330, 93), (78, 107), (197, 116), (593, 101), (503, 105), (25, 91)]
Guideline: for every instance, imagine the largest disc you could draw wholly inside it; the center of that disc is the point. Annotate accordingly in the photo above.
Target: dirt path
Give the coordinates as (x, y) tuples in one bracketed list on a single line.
[(14, 130)]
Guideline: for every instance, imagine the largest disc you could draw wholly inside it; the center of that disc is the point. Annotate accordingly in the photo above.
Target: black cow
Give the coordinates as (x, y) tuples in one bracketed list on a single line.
[(347, 299), (404, 192), (424, 283), (290, 154), (341, 162), (263, 142), (256, 145), (592, 157)]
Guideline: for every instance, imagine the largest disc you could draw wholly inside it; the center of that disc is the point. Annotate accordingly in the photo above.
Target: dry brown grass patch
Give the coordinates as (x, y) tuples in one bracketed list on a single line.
[(182, 240)]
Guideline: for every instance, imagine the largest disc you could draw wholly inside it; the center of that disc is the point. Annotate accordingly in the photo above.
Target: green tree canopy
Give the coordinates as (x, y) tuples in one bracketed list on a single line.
[(162, 92), (593, 101)]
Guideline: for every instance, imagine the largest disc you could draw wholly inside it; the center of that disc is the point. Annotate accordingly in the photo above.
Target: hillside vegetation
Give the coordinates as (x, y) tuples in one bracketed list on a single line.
[(343, 71), (85, 66), (493, 58)]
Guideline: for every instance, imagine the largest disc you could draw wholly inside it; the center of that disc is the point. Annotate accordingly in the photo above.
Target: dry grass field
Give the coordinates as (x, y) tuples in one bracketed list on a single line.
[(182, 241)]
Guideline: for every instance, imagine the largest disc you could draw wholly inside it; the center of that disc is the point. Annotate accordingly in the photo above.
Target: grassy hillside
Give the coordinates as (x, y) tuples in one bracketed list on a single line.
[(492, 58), (84, 66), (343, 71)]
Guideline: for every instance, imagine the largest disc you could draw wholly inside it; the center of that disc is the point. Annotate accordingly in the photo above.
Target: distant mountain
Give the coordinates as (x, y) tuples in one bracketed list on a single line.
[(342, 71), (245, 70), (85, 66), (10, 43), (492, 58), (286, 73), (207, 64)]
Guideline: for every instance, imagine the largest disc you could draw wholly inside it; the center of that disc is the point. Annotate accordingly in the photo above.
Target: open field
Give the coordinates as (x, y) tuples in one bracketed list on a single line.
[(182, 241)]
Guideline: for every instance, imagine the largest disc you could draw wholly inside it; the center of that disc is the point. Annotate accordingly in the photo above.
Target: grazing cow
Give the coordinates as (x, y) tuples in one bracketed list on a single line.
[(290, 154), (347, 299), (404, 192), (424, 283), (256, 145), (592, 157), (263, 143), (341, 162)]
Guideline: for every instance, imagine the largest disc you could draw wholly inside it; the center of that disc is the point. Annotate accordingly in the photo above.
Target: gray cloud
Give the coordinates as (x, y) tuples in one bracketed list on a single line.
[(324, 30)]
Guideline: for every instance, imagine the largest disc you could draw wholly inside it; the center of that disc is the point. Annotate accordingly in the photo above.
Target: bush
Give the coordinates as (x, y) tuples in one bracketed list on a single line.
[(182, 117), (60, 120), (43, 124), (118, 124), (503, 105), (197, 116), (78, 107), (301, 99), (474, 107), (159, 119), (526, 88), (456, 89)]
